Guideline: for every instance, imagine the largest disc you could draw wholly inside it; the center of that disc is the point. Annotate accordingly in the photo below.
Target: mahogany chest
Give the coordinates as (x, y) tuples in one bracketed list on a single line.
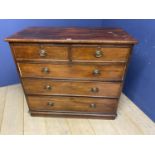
[(75, 72)]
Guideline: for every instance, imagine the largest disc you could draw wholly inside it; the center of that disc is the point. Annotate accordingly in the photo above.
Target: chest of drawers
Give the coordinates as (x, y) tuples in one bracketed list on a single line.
[(75, 72)]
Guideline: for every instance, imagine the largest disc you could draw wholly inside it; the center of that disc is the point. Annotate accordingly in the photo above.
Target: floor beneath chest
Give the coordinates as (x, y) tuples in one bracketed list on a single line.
[(15, 119)]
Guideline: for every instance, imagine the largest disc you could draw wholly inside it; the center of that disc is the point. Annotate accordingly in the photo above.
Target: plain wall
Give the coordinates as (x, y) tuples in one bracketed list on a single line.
[(140, 79)]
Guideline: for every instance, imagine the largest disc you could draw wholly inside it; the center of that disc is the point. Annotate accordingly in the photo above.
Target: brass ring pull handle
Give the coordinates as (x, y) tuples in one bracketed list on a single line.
[(94, 90), (92, 105), (42, 53), (45, 70), (98, 54), (48, 87), (50, 104), (96, 72)]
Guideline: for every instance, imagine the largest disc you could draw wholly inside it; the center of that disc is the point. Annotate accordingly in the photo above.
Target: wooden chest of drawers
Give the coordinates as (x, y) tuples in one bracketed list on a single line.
[(75, 72)]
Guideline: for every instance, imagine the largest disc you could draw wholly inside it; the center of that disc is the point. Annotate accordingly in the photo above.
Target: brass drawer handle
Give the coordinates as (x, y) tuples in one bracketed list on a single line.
[(94, 90), (96, 72), (45, 70), (42, 53), (48, 87), (92, 105), (98, 54), (50, 104)]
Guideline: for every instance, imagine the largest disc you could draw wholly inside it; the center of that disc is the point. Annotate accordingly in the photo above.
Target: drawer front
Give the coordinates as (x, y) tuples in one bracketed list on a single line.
[(70, 88), (36, 52), (73, 104), (105, 54), (87, 72)]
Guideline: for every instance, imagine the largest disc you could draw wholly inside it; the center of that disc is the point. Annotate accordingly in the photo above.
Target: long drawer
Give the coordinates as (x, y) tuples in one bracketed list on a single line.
[(73, 104), (72, 88), (72, 71), (102, 54), (38, 52)]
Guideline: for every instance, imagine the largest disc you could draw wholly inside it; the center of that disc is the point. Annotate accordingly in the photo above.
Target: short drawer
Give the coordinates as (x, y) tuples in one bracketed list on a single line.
[(72, 88), (40, 52), (60, 71), (104, 54), (72, 104)]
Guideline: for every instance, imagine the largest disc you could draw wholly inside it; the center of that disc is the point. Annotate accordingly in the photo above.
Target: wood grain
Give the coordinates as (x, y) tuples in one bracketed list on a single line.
[(88, 54), (70, 71), (72, 104), (73, 62), (33, 125), (105, 127), (140, 120), (72, 88), (57, 126), (13, 112), (130, 120), (73, 35), (80, 127), (33, 52), (3, 93)]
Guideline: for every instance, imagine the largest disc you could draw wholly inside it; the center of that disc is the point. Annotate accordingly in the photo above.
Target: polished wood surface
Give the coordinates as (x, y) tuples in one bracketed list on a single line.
[(40, 52), (73, 35), (106, 54), (72, 88), (15, 119), (70, 71), (79, 53), (72, 104), (80, 63)]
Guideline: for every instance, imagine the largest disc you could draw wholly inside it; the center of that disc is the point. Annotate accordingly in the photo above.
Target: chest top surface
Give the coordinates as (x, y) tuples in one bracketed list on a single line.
[(72, 35)]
